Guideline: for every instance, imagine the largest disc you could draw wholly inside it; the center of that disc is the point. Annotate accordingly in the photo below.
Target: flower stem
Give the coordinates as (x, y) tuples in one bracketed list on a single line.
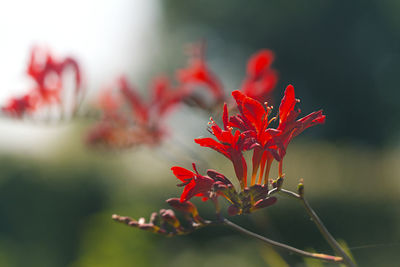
[(283, 246), (321, 227)]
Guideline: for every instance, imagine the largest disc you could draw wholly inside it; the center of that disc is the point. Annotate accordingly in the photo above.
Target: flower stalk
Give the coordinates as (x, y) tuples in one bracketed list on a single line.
[(321, 227), (276, 244)]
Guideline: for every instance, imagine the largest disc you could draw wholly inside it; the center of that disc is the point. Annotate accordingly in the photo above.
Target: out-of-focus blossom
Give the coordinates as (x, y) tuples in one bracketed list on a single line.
[(197, 73), (47, 74), (18, 106), (259, 82), (130, 120), (261, 79)]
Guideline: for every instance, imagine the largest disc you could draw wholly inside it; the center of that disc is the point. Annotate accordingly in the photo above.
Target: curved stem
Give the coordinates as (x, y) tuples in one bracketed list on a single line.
[(328, 237), (321, 227), (283, 246)]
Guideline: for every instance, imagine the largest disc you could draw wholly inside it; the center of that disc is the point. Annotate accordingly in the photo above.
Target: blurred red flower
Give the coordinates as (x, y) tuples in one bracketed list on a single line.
[(47, 74), (261, 79), (129, 120)]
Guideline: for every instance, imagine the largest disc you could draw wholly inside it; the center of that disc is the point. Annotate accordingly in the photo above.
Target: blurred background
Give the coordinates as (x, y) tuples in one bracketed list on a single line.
[(57, 195)]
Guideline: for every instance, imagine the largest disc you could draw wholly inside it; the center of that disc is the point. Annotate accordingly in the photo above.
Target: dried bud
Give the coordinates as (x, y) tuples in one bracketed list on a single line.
[(146, 226), (218, 177), (123, 219), (186, 206), (258, 192), (219, 186), (300, 188), (279, 182), (133, 223), (154, 218), (265, 202), (233, 210)]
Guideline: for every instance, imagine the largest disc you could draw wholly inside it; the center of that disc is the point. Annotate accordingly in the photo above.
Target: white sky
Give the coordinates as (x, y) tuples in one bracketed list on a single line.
[(108, 38)]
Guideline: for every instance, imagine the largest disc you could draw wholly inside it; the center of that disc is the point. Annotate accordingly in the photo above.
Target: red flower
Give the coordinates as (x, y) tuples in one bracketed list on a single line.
[(230, 145), (289, 125), (164, 97), (140, 109), (198, 73), (19, 106), (253, 120), (195, 184), (261, 79), (47, 74)]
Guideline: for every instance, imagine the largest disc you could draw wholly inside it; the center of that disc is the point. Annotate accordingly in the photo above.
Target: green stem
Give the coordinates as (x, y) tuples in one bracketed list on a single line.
[(283, 246), (321, 227)]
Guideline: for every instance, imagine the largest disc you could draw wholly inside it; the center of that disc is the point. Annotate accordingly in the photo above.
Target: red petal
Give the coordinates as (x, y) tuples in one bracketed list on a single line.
[(254, 112), (186, 194), (287, 104), (211, 143), (182, 173)]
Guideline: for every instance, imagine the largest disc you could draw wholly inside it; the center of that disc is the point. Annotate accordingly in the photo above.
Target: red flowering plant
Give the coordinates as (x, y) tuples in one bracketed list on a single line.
[(49, 90), (128, 120), (248, 130)]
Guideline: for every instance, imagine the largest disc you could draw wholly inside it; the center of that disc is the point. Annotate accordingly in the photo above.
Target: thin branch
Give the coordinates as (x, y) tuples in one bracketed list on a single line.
[(321, 227), (283, 246), (329, 238)]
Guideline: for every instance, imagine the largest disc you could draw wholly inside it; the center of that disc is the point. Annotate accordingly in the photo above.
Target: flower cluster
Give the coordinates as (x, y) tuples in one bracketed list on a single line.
[(47, 75), (144, 121), (248, 130)]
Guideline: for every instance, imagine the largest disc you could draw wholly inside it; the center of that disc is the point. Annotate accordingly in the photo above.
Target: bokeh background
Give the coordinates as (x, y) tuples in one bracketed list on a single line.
[(57, 195)]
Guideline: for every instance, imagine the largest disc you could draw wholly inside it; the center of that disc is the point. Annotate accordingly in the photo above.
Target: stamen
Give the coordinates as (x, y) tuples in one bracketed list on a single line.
[(194, 168)]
